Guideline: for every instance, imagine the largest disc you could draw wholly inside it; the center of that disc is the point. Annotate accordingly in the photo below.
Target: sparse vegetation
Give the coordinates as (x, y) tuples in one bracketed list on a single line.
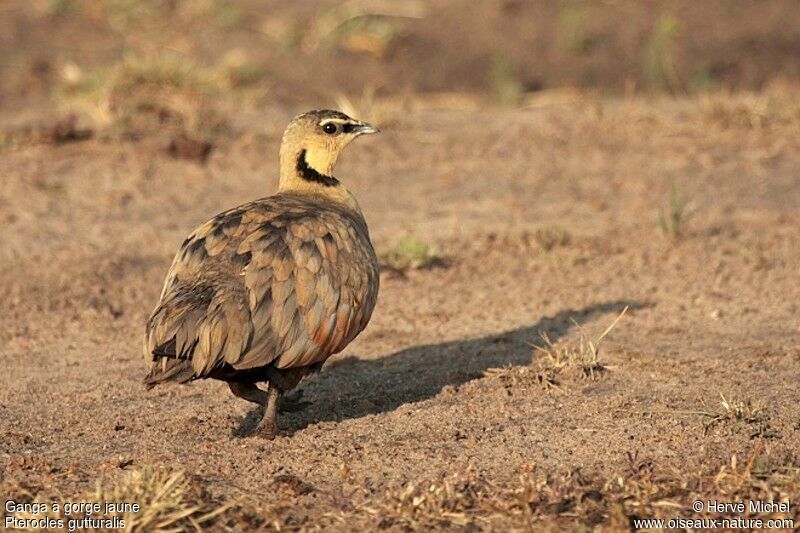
[(572, 34), (167, 501), (504, 80), (362, 27), (537, 500), (742, 413), (122, 15), (238, 71), (530, 499), (371, 35), (659, 60), (147, 16), (146, 93), (672, 218), (551, 237), (752, 111), (741, 410), (60, 8), (557, 437), (582, 355), (409, 253), (702, 80), (226, 13)]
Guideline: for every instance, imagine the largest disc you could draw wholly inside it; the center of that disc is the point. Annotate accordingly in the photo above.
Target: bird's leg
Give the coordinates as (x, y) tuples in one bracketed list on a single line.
[(286, 380), (249, 392), (268, 428)]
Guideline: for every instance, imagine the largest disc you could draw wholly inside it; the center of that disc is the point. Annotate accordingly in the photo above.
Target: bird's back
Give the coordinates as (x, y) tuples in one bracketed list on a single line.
[(284, 281)]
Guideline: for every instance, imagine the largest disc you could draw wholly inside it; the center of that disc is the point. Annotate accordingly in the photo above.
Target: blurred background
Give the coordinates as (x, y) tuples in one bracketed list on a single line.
[(542, 164), (133, 64)]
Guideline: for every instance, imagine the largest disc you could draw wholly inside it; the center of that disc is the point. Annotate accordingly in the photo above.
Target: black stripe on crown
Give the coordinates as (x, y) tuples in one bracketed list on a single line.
[(310, 174), (322, 114)]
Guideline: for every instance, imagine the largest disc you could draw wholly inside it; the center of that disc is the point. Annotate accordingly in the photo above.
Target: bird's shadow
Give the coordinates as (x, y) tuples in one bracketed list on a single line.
[(352, 387)]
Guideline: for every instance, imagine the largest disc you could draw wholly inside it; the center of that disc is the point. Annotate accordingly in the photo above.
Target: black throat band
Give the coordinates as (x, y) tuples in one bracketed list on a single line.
[(309, 174)]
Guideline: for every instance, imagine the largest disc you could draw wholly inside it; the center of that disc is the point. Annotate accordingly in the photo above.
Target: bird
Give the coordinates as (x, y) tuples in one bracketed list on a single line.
[(267, 291)]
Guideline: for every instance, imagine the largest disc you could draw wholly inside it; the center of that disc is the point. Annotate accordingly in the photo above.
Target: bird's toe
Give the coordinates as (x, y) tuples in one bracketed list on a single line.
[(267, 431)]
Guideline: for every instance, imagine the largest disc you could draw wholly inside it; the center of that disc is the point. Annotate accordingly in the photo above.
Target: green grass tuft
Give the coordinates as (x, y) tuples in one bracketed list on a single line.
[(672, 218), (659, 60), (551, 237), (504, 80), (409, 253)]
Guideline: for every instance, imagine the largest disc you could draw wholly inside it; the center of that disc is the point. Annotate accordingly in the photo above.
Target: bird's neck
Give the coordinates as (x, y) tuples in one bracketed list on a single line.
[(304, 172), (316, 170)]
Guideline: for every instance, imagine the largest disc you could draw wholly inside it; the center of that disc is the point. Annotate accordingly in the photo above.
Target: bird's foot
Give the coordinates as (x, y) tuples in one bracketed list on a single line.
[(267, 430), (268, 427)]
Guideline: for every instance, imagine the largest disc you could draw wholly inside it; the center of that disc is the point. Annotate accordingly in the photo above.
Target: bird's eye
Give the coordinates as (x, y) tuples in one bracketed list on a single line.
[(330, 128)]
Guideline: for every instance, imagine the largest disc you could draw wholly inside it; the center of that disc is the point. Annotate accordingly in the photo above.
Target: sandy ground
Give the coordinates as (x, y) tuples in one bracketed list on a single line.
[(443, 382), (532, 145)]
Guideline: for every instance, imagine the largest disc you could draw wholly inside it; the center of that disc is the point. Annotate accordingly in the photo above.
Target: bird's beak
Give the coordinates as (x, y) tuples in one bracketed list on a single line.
[(365, 129)]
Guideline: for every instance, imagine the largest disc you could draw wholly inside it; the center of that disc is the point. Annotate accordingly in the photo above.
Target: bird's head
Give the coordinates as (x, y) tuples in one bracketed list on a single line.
[(311, 146)]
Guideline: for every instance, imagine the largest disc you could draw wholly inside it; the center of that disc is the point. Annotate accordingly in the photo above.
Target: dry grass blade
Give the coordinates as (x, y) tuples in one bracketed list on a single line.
[(595, 345), (739, 414), (745, 410), (470, 499), (167, 502), (583, 356), (751, 111)]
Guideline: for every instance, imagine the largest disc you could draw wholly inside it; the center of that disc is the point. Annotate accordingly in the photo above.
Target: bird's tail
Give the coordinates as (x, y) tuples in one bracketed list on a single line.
[(171, 336), (168, 368)]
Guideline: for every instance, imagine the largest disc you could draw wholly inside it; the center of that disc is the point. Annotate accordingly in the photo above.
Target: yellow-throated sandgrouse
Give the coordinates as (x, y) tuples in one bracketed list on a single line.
[(267, 291)]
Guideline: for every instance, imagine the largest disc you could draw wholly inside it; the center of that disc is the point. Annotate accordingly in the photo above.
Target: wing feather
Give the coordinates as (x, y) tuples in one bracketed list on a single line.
[(281, 280)]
